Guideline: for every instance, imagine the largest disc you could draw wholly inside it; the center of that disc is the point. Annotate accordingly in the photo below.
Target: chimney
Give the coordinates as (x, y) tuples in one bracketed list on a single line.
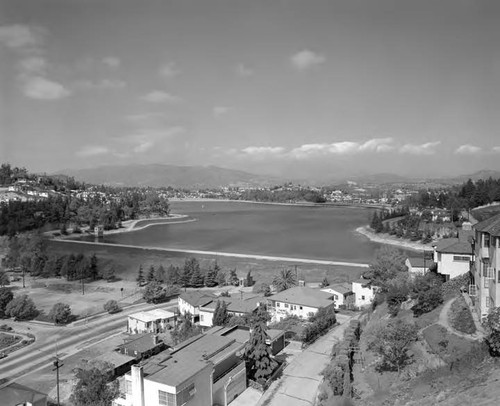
[(137, 386), (155, 339)]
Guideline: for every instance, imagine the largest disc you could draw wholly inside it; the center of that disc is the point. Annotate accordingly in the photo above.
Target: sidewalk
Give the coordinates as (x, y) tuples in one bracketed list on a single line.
[(301, 378)]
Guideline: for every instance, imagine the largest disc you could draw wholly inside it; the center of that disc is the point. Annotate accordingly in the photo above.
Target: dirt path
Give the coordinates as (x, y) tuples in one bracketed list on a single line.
[(445, 322)]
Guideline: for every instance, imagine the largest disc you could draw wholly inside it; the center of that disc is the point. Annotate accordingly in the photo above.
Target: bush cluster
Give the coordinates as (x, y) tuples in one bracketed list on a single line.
[(454, 285), (321, 322), (461, 317)]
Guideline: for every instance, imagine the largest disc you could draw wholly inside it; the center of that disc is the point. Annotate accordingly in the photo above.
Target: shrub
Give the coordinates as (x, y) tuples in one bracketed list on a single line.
[(60, 313), (21, 308), (320, 324), (493, 326), (461, 317), (426, 289), (111, 306)]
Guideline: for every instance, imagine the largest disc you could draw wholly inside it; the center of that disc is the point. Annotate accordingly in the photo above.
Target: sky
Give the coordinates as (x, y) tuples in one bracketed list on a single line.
[(308, 89)]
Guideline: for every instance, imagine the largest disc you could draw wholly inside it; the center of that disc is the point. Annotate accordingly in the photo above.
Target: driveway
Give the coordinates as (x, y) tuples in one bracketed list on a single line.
[(301, 378)]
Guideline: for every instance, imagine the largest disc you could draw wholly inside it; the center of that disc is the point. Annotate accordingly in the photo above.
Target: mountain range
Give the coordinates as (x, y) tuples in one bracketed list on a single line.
[(160, 175)]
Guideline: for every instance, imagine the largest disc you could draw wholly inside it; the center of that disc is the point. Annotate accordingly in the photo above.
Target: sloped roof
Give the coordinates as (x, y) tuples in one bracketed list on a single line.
[(454, 246), (142, 343), (196, 298), (236, 305), (302, 295), (115, 358), (341, 288), (419, 262), (490, 226), (14, 394)]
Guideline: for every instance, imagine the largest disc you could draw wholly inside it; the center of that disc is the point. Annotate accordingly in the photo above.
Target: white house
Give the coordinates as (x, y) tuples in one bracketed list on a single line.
[(364, 292), (454, 255), (298, 301), (190, 302), (342, 294), (152, 321)]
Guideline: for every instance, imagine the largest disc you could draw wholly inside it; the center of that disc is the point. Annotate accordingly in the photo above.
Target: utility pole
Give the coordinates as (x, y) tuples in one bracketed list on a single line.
[(57, 365)]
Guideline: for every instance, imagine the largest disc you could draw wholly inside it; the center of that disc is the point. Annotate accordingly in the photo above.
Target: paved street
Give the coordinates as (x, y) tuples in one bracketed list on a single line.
[(65, 340), (301, 378)]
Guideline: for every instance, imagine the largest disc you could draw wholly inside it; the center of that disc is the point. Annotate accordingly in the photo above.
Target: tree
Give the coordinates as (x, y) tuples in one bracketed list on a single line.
[(93, 385), (211, 278), (4, 279), (60, 313), (391, 341), (6, 296), (426, 289), (197, 280), (160, 274), (140, 276), (249, 279), (111, 306), (387, 264), (154, 293), (258, 355), (233, 278), (93, 269), (284, 279), (191, 265), (184, 329), (221, 278), (376, 223), (173, 275), (221, 317), (325, 282), (109, 273), (21, 308), (493, 330), (151, 273)]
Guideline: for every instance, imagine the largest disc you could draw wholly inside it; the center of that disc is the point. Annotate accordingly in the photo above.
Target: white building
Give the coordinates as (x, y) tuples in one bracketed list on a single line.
[(152, 321), (190, 302), (298, 301), (418, 265), (235, 307), (342, 294), (454, 255), (364, 292)]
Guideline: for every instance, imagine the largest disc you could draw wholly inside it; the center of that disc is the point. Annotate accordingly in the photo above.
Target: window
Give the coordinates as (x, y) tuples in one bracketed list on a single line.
[(201, 317), (439, 257), (486, 282), (166, 399), (293, 307), (461, 258), (487, 301), (486, 240), (363, 297), (128, 387), (277, 304), (286, 305), (186, 394)]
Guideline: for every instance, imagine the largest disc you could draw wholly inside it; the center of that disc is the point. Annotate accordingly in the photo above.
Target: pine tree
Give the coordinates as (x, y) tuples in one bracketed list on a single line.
[(325, 282), (94, 271), (258, 354), (197, 279), (211, 278), (151, 273), (140, 276), (221, 278), (160, 274), (173, 275), (233, 278), (221, 316)]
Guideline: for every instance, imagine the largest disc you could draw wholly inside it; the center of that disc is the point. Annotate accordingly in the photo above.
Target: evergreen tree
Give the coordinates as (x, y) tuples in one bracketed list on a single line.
[(160, 274), (233, 278), (249, 279), (258, 355), (221, 316), (94, 271), (173, 275), (6, 296), (211, 278), (197, 279), (151, 273), (140, 276), (94, 385), (325, 282), (191, 265), (221, 278)]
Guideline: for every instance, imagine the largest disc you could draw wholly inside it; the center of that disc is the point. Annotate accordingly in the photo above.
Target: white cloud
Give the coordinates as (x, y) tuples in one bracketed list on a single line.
[(306, 59), (18, 36), (428, 148), (33, 64), (219, 111), (169, 70), (496, 149), (261, 152), (146, 138), (342, 148), (111, 62), (146, 117), (468, 149), (158, 96), (40, 88), (92, 150), (102, 84), (243, 70)]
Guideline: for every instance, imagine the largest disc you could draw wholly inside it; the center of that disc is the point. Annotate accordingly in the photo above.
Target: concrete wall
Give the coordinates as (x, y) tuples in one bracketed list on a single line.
[(363, 296), (206, 318), (230, 385), (446, 265), (185, 307)]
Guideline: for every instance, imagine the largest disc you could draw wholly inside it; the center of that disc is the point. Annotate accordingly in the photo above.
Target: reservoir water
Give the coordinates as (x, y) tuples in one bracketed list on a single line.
[(317, 232)]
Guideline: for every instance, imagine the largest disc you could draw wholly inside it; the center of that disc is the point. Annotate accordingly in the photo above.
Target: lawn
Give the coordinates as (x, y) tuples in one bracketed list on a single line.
[(6, 340)]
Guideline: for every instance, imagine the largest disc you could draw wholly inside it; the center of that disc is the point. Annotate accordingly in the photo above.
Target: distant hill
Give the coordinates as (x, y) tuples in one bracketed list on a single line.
[(483, 174), (158, 175)]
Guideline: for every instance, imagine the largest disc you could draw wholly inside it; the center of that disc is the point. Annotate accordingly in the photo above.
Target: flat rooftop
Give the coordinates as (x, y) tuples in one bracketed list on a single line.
[(152, 315)]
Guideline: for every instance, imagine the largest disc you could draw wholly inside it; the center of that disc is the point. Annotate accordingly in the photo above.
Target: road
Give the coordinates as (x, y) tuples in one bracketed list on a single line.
[(65, 340)]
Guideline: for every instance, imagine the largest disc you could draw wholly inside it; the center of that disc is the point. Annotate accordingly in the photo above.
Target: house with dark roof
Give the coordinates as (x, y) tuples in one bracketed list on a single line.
[(486, 269), (298, 301), (204, 370), (15, 394), (120, 363), (342, 294), (453, 256), (142, 346), (191, 301), (236, 306)]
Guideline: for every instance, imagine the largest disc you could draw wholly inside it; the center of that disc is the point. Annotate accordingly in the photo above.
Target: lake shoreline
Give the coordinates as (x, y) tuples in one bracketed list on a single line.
[(382, 238)]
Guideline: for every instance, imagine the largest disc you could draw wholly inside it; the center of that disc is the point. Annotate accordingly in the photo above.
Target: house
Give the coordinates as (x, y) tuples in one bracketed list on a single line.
[(235, 307), (202, 371), (418, 265), (143, 346), (190, 302), (342, 294), (152, 321), (364, 292), (298, 301), (121, 363), (486, 269), (453, 256), (15, 394)]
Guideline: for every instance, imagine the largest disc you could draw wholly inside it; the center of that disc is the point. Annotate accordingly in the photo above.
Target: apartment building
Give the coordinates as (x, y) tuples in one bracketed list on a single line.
[(486, 270)]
